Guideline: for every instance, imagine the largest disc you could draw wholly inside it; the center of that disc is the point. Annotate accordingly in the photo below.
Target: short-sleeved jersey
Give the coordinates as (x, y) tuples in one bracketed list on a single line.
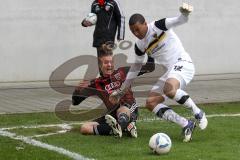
[(161, 44)]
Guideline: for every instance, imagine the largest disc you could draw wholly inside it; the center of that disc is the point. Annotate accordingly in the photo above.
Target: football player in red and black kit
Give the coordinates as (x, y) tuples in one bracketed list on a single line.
[(121, 117)]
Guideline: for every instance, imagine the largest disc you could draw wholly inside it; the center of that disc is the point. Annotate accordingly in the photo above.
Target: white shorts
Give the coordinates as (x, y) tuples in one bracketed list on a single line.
[(183, 71)]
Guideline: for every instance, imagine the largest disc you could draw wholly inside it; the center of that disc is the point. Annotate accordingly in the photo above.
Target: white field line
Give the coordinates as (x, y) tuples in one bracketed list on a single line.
[(208, 116), (223, 115), (49, 134), (67, 126), (33, 142), (63, 126)]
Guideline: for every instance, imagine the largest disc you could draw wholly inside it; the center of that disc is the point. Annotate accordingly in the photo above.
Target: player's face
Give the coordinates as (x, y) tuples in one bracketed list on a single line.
[(107, 66), (139, 30)]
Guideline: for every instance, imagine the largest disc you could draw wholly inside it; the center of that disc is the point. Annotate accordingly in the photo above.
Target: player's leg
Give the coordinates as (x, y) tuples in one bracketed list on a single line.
[(134, 112), (111, 120), (173, 88), (127, 116), (123, 116), (88, 128), (132, 127), (154, 104), (94, 128)]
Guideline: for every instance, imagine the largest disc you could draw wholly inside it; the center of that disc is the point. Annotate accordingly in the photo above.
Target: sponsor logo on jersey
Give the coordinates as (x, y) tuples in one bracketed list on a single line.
[(118, 76), (111, 86)]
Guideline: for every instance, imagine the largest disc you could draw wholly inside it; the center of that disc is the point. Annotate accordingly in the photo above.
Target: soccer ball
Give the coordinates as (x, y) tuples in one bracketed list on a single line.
[(92, 18), (160, 143)]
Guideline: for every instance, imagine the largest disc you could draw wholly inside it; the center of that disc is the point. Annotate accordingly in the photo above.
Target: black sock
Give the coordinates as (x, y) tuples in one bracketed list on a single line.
[(102, 129)]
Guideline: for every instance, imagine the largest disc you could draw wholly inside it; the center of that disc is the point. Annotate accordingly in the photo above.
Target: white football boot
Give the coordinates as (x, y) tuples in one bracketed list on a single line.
[(202, 120), (188, 131), (132, 129), (112, 122)]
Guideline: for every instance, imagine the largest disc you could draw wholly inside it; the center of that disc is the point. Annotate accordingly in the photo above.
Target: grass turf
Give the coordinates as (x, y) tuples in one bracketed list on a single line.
[(221, 140)]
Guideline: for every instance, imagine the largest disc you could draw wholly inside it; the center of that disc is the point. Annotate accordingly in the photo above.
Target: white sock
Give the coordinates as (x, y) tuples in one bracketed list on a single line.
[(183, 98), (165, 98), (170, 115)]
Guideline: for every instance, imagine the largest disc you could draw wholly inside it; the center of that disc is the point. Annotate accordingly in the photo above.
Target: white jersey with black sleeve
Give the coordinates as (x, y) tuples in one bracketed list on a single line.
[(160, 43)]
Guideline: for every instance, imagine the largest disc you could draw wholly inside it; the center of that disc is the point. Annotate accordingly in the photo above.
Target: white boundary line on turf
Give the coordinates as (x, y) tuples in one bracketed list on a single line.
[(33, 142), (63, 126), (223, 115), (49, 134), (208, 116), (67, 126)]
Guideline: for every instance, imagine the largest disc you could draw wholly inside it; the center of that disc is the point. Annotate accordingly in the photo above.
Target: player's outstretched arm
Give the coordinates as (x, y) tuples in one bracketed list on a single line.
[(116, 95), (185, 10), (82, 91), (131, 76)]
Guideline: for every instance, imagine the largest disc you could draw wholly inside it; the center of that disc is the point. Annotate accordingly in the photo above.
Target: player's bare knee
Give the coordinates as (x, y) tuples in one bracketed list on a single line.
[(124, 109), (151, 102), (123, 114), (86, 129), (171, 93), (170, 87)]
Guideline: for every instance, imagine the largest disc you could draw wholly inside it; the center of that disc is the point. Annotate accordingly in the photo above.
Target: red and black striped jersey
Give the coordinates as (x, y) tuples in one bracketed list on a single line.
[(102, 87)]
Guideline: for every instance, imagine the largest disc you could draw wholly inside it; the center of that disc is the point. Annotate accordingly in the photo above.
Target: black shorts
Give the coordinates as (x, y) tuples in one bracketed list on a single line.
[(101, 120)]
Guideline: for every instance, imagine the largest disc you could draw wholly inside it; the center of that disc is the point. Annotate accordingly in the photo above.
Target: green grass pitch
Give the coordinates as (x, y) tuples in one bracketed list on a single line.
[(220, 141)]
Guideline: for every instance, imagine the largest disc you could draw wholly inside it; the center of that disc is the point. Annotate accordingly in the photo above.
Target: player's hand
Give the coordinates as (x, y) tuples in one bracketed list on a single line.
[(116, 95), (186, 9), (82, 84), (86, 23)]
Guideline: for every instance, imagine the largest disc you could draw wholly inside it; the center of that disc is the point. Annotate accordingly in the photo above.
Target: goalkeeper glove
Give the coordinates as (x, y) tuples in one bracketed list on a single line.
[(186, 9)]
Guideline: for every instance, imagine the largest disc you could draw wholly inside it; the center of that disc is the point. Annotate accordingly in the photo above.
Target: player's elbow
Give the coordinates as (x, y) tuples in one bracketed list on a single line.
[(150, 64), (151, 67), (75, 101)]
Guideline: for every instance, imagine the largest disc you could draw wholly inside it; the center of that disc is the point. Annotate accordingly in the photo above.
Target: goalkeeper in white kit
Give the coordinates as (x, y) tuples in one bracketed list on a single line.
[(158, 40)]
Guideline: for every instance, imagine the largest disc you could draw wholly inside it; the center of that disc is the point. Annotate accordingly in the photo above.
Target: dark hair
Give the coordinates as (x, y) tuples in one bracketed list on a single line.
[(136, 18)]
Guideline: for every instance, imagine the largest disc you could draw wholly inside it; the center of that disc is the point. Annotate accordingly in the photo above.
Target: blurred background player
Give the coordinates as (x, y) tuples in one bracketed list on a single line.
[(110, 19), (158, 40), (123, 115)]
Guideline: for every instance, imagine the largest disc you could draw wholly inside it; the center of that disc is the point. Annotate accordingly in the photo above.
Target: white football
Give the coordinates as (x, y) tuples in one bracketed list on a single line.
[(160, 143), (92, 18)]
